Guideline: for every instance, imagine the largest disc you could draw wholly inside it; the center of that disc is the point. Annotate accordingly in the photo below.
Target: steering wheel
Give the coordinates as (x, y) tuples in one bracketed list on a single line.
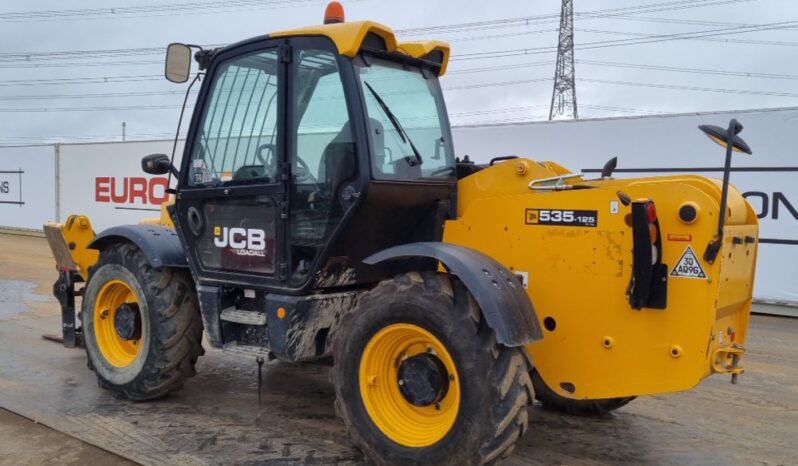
[(269, 165), (303, 173)]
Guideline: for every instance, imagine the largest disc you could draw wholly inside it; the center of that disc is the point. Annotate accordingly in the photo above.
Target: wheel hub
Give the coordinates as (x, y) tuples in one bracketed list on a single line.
[(423, 379), (127, 321)]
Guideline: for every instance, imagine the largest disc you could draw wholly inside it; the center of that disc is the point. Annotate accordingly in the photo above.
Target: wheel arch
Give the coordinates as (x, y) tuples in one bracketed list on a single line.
[(501, 298), (159, 244)]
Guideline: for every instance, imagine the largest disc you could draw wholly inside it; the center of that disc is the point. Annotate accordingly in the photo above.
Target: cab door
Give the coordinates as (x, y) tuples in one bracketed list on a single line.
[(231, 201)]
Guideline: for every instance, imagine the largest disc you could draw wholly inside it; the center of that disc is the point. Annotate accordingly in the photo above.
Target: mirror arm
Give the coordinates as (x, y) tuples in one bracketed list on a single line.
[(711, 253)]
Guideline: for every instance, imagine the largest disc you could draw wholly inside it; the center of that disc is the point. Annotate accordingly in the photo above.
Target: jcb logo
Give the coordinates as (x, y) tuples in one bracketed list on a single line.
[(244, 241)]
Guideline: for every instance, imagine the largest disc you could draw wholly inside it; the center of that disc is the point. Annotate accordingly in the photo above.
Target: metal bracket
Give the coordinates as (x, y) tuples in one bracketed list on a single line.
[(64, 291)]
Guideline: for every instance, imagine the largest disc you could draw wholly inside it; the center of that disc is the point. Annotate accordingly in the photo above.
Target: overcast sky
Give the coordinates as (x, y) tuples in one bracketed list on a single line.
[(727, 63)]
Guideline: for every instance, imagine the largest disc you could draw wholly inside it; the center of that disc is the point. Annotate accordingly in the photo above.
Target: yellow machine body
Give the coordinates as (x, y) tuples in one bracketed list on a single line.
[(600, 347)]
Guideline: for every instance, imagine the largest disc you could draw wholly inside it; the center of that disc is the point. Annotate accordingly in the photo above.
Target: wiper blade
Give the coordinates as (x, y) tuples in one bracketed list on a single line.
[(398, 126)]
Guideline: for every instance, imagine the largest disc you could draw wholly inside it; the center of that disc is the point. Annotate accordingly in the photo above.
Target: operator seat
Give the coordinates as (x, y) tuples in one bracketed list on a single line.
[(339, 164)]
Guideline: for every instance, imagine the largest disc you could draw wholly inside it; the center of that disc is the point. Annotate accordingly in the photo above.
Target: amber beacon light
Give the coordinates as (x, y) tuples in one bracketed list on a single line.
[(334, 13)]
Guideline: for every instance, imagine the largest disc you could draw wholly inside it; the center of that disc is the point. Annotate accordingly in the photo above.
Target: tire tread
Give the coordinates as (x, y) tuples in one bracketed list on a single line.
[(174, 310), (508, 375)]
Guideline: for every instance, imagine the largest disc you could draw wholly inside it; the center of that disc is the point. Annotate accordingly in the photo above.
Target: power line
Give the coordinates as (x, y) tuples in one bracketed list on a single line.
[(497, 84), (75, 65), (29, 64), (147, 10), (78, 54), (691, 88), (691, 22), (745, 74), (636, 34), (27, 57), (623, 109), (83, 80), (653, 38), (453, 88), (93, 96), (500, 68), (724, 40), (555, 17), (90, 109)]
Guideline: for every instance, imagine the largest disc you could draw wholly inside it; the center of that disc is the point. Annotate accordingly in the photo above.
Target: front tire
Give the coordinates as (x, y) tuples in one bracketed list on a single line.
[(463, 396), (142, 327), (554, 402)]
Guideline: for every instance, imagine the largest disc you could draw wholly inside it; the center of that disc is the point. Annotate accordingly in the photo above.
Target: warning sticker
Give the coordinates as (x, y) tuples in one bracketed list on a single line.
[(688, 265)]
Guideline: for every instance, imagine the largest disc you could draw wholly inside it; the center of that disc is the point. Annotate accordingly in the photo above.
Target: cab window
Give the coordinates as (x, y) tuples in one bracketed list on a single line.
[(408, 131), (236, 142)]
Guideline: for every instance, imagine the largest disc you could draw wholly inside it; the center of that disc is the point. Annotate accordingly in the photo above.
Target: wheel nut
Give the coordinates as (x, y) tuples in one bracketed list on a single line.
[(401, 382), (104, 314), (451, 376)]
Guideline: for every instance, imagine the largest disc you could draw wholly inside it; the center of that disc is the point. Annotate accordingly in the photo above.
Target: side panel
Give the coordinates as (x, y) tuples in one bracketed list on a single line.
[(496, 289), (578, 275), (663, 144)]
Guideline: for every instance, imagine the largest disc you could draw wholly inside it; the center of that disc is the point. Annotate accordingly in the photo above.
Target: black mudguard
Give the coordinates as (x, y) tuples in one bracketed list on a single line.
[(500, 295), (160, 244)]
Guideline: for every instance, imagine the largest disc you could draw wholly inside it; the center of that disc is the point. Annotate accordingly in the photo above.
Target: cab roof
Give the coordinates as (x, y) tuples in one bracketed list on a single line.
[(350, 37)]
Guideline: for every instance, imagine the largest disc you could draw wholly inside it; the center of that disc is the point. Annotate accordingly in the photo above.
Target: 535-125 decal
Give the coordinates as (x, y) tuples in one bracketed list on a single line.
[(562, 217)]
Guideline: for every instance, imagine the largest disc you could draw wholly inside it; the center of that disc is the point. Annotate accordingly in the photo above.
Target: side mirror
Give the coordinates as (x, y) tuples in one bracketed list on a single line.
[(178, 63), (156, 164)]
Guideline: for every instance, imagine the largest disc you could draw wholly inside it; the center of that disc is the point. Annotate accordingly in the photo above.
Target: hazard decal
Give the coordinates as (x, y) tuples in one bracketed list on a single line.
[(688, 265)]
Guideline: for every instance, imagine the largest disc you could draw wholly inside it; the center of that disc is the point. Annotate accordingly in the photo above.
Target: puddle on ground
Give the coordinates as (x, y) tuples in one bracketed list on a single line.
[(14, 293)]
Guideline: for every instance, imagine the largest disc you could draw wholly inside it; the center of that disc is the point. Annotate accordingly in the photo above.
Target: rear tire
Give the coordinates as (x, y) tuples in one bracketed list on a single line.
[(554, 402), (168, 324), (492, 381)]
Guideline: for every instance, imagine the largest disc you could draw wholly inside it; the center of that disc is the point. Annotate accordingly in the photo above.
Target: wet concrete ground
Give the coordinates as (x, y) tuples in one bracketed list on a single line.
[(24, 442), (216, 420)]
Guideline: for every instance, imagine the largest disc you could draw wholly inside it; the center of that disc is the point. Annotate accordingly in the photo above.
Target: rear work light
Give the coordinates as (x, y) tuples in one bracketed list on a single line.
[(651, 212), (648, 285)]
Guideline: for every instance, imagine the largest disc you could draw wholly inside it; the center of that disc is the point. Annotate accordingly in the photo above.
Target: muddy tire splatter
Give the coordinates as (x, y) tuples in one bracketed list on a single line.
[(554, 402), (164, 330), (493, 380)]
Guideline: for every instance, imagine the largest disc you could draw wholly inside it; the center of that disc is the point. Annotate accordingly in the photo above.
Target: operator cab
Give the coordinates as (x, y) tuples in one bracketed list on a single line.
[(311, 149)]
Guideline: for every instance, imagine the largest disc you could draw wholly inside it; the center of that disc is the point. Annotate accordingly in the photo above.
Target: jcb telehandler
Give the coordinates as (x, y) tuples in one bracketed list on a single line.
[(320, 211)]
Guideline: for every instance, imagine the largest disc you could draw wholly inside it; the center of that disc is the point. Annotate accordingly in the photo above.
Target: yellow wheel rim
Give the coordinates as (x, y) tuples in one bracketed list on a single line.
[(397, 418), (116, 350)]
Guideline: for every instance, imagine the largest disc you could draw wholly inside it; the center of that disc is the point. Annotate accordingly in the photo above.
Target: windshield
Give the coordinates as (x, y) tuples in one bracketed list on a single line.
[(408, 131)]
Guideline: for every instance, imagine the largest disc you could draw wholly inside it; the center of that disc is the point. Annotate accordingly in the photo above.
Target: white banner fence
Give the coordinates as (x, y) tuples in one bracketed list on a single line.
[(105, 181)]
